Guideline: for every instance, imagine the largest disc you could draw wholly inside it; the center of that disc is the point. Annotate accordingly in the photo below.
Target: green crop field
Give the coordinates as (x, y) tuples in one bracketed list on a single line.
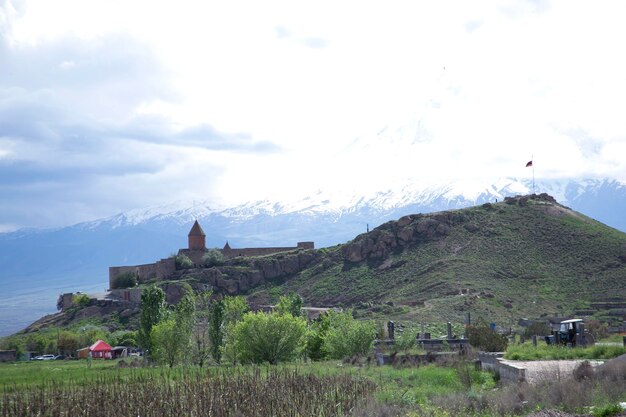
[(303, 389), (332, 388)]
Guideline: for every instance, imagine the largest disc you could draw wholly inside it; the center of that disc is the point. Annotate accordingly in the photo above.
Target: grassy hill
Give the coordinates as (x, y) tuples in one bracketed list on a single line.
[(523, 257)]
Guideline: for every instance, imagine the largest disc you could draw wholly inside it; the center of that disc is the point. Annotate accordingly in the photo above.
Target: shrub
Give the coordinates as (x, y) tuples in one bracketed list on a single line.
[(67, 342), (316, 336), (269, 337), (183, 262), (290, 304), (124, 280), (166, 347), (213, 257), (482, 336), (609, 410), (538, 328), (124, 338), (81, 300), (597, 329), (347, 336), (405, 341)]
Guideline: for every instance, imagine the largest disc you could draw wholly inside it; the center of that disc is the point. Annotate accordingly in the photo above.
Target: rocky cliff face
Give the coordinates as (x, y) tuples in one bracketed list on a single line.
[(380, 242), (242, 274)]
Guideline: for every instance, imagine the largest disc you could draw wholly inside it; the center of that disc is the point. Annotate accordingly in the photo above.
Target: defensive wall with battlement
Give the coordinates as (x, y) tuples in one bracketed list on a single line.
[(197, 248)]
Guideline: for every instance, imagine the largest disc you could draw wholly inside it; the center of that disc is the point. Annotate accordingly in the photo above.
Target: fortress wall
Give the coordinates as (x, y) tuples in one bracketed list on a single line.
[(118, 270), (194, 255), (156, 271), (147, 272), (234, 252), (131, 294)]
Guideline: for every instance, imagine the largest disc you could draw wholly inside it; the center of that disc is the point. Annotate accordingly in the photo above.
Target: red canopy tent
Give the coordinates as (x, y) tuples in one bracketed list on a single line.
[(101, 350)]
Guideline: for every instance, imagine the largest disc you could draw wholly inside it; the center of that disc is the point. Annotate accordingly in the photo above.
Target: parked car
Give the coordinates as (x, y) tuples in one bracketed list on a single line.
[(44, 358), (59, 357)]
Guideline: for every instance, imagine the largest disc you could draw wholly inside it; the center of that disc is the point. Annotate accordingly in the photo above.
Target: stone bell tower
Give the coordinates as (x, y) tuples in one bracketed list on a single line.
[(197, 238)]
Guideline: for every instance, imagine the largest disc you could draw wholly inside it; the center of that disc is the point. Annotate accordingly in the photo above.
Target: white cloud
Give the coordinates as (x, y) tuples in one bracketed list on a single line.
[(464, 89)]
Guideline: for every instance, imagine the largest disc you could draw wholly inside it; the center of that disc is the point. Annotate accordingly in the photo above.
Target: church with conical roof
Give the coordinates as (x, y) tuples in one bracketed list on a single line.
[(197, 237), (195, 252)]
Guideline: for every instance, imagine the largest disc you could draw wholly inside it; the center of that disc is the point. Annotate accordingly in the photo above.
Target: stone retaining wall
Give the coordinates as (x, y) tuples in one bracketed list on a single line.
[(493, 362)]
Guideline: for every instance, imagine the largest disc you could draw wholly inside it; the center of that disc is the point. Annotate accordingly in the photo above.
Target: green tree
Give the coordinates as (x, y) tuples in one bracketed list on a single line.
[(213, 257), (597, 329), (216, 329), (201, 342), (88, 335), (13, 343), (290, 304), (124, 338), (234, 310), (171, 338), (347, 336), (482, 336), (316, 336), (68, 342), (152, 311), (36, 343), (269, 337), (185, 317), (163, 342)]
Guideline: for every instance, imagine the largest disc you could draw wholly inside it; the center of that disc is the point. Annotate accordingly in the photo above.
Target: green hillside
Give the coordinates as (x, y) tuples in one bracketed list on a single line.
[(523, 257)]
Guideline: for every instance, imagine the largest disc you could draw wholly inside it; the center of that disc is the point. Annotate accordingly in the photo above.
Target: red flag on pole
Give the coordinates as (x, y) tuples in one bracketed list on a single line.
[(529, 164)]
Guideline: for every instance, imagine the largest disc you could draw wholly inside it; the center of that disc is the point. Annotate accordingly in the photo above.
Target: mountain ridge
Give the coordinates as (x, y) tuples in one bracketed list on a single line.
[(38, 264), (521, 257)]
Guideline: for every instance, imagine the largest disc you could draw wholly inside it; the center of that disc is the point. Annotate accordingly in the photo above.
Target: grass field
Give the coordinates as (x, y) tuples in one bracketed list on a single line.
[(332, 388), (528, 352), (328, 388)]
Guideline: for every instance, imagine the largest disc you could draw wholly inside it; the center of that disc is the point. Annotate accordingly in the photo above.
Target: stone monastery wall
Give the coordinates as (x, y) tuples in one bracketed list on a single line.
[(166, 267), (147, 272), (234, 252)]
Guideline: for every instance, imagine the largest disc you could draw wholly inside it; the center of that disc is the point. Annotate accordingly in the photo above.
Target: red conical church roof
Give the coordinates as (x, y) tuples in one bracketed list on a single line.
[(196, 230)]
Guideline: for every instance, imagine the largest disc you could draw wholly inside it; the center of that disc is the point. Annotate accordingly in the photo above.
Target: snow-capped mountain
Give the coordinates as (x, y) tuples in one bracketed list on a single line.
[(40, 264)]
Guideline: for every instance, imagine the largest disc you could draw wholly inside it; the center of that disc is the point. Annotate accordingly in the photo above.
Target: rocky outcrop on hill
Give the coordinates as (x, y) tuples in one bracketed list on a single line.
[(383, 240), (419, 228), (241, 274)]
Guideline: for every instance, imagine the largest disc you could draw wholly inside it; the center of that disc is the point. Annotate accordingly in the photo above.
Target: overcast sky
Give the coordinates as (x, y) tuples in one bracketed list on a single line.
[(111, 105)]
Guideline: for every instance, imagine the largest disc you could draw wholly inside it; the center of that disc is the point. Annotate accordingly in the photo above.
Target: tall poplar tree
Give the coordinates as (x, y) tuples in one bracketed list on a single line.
[(152, 311)]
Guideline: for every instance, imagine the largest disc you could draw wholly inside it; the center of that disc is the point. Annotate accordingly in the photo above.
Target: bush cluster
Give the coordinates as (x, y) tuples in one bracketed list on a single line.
[(213, 257), (482, 336), (81, 300), (124, 280), (183, 262)]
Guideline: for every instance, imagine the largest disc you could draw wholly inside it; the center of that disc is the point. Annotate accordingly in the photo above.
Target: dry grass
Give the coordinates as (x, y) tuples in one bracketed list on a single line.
[(257, 393), (600, 387)]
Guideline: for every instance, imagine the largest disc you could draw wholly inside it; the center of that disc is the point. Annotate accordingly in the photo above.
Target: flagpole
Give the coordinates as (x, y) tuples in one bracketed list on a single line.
[(533, 159)]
